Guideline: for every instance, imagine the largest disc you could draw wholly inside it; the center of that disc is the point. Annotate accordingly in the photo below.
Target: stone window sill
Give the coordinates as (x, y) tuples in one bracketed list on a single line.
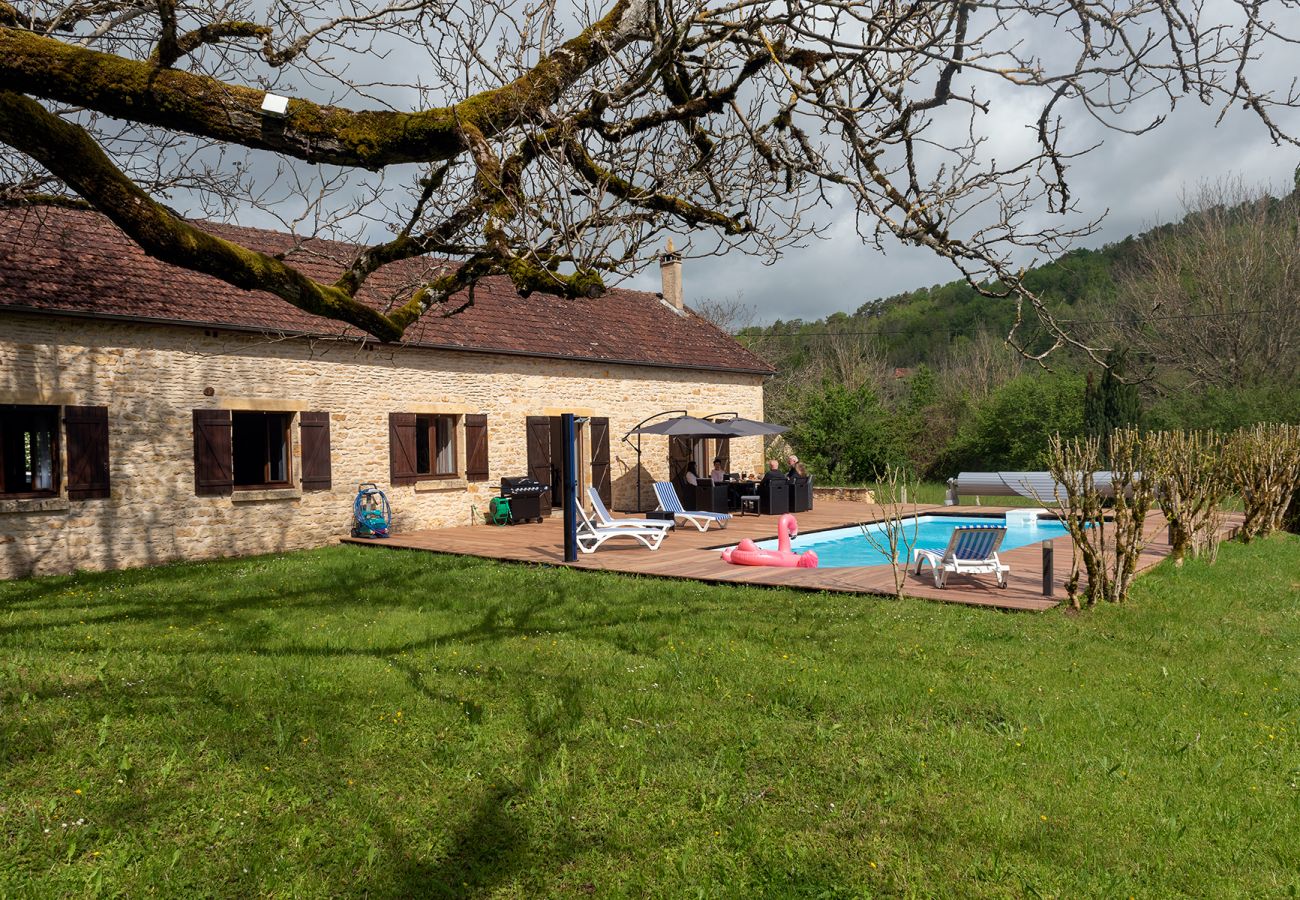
[(34, 504), (271, 494), (440, 485)]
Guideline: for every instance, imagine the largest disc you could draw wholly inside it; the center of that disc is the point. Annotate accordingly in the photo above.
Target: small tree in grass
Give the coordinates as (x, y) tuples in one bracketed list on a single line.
[(1263, 462), (895, 535), (1107, 546), (1191, 482)]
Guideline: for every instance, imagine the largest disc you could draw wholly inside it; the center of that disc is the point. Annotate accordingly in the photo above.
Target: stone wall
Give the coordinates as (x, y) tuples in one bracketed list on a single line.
[(151, 378)]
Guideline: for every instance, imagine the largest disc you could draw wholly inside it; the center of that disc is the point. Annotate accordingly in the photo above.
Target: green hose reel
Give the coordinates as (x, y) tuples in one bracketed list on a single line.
[(499, 511)]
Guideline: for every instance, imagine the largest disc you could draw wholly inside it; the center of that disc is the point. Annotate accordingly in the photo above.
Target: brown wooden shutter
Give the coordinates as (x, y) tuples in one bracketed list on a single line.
[(401, 448), (314, 427), (86, 428), (476, 447), (539, 456), (600, 479), (213, 463)]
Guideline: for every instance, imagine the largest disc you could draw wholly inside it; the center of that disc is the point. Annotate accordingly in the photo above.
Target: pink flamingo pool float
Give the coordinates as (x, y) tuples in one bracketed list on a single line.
[(747, 553)]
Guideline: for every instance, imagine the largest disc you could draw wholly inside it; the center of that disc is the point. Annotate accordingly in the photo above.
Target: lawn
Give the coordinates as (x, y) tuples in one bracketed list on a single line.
[(355, 721)]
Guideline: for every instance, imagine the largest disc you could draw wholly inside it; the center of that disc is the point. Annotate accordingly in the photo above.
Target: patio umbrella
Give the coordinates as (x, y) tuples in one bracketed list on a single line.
[(686, 426), (751, 427)]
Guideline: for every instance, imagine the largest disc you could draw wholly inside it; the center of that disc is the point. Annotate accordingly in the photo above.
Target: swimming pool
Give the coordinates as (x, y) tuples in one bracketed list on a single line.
[(840, 547)]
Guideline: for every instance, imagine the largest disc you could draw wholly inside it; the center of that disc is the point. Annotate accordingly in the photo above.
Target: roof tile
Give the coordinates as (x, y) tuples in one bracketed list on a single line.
[(77, 262)]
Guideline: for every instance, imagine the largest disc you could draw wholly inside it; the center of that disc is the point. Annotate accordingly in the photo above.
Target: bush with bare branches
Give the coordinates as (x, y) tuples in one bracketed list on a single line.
[(1190, 482), (1108, 545), (1263, 462)]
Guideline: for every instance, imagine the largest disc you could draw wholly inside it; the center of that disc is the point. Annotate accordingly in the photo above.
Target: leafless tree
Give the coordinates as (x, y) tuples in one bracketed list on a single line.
[(553, 144), (894, 536), (731, 314), (978, 366), (1214, 299)]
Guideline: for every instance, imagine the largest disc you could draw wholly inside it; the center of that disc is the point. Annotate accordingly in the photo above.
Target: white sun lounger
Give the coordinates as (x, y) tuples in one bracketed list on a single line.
[(603, 518), (669, 502), (591, 535), (972, 550)]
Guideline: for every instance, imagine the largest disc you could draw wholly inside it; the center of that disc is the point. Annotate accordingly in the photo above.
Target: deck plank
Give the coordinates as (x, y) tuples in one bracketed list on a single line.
[(687, 553)]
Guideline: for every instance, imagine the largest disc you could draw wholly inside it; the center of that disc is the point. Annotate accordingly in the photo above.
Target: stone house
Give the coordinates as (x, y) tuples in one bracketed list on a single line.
[(149, 413)]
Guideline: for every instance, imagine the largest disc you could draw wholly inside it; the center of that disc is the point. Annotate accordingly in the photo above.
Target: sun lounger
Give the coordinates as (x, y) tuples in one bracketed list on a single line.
[(972, 550), (670, 502), (601, 515), (591, 535)]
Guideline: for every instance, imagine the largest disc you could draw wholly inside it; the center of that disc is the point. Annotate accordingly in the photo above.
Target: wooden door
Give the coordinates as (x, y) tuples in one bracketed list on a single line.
[(600, 474), (539, 456), (679, 454)]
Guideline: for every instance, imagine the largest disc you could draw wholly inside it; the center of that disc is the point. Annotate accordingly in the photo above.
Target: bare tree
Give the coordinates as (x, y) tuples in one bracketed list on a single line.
[(895, 535), (978, 366), (555, 144), (1214, 298), (731, 315)]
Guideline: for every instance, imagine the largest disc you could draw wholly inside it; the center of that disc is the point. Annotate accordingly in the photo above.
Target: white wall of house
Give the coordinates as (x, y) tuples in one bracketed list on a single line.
[(152, 377)]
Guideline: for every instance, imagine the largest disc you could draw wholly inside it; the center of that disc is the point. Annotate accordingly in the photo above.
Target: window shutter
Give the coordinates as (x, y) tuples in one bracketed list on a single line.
[(314, 428), (476, 448), (86, 428), (213, 463), (401, 448), (539, 456), (600, 459)]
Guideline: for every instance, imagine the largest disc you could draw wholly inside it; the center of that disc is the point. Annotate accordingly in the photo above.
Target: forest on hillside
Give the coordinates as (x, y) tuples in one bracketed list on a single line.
[(1198, 321)]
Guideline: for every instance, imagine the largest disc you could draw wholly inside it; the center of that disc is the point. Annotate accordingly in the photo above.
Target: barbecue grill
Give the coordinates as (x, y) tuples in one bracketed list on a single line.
[(525, 496)]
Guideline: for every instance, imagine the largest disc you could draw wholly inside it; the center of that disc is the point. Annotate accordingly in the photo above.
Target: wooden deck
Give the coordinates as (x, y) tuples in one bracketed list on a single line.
[(688, 553)]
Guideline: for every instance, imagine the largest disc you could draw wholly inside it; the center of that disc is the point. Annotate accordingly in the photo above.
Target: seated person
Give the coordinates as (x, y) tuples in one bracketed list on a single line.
[(718, 474), (800, 470), (794, 465), (773, 470), (691, 477)]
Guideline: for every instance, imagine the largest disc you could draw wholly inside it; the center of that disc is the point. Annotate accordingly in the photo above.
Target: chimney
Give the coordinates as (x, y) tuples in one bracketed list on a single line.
[(670, 268)]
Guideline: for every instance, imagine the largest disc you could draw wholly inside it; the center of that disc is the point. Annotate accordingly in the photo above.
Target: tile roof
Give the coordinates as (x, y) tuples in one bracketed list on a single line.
[(76, 262)]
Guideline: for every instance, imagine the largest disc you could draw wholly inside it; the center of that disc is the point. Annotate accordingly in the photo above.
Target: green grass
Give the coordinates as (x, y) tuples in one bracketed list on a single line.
[(355, 721)]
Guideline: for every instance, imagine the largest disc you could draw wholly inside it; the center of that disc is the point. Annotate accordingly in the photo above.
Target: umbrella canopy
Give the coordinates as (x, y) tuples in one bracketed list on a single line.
[(751, 427), (686, 426)]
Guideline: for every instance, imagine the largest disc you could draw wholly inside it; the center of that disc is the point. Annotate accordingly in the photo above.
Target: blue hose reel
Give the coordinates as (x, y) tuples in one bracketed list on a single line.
[(370, 512)]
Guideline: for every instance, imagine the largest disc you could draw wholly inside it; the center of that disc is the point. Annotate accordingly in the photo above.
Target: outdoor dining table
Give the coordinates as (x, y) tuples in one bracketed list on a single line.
[(739, 488)]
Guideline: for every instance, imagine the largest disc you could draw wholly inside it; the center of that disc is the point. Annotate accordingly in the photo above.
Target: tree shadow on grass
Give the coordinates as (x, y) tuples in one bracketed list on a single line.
[(490, 844)]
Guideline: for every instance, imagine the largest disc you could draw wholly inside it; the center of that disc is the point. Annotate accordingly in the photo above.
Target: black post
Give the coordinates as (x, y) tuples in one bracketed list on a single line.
[(1048, 574), (569, 477)]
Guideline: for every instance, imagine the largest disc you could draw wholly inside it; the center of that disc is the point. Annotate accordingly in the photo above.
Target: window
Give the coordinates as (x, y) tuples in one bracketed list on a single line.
[(259, 444), (435, 445), (422, 446), (29, 446)]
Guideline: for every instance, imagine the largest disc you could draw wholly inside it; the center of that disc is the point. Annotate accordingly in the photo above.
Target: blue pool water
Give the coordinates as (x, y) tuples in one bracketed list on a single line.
[(842, 547)]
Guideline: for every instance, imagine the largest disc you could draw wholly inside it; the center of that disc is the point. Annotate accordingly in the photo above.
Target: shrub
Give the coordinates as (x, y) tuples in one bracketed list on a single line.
[(1190, 481), (1108, 546), (1263, 462)]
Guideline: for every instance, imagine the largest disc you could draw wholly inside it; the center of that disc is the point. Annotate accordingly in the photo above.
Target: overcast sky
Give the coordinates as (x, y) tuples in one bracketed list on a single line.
[(1136, 182)]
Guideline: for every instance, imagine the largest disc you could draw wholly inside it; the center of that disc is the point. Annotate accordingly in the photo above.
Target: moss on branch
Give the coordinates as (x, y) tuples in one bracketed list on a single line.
[(139, 91), (70, 154)]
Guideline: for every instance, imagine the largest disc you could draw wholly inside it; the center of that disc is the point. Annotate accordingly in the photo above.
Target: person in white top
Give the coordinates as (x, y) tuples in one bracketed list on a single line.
[(718, 475), (691, 478)]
